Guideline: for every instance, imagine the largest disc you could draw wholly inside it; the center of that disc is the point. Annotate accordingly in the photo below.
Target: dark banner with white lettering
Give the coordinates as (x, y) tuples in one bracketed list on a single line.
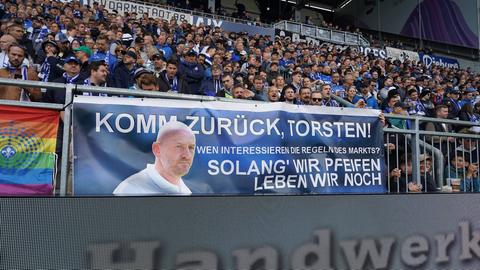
[(177, 147), (251, 28)]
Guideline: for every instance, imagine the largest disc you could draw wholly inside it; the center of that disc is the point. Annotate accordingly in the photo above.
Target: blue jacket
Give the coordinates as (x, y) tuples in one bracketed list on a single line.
[(207, 87), (370, 101), (167, 51), (193, 74)]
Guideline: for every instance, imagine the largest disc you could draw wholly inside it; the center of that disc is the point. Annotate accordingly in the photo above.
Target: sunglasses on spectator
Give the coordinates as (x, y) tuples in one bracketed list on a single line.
[(316, 99)]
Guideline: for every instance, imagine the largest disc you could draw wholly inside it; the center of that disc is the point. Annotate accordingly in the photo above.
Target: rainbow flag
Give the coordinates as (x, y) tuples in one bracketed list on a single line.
[(27, 150)]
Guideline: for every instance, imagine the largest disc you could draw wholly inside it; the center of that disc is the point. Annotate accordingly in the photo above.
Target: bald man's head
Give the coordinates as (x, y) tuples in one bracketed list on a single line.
[(6, 41)]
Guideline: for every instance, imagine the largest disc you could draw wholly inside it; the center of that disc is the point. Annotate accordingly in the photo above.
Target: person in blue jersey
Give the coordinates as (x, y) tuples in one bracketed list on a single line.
[(174, 150), (163, 46), (367, 96), (102, 53)]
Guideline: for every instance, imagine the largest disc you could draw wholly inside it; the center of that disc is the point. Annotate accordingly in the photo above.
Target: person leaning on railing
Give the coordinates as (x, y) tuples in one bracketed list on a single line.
[(16, 70), (462, 173)]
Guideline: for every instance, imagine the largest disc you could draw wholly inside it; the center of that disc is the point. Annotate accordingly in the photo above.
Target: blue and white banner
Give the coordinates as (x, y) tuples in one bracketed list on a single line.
[(251, 29), (430, 59), (120, 148)]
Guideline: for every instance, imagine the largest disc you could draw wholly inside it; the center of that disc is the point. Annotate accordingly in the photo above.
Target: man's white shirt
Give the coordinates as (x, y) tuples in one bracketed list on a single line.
[(149, 182)]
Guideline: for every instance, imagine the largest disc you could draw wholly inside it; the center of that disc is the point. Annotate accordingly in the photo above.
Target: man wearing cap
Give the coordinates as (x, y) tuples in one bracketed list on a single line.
[(16, 70), (453, 102), (157, 64), (123, 75), (49, 69), (70, 76), (366, 94), (400, 108), (83, 54), (192, 72)]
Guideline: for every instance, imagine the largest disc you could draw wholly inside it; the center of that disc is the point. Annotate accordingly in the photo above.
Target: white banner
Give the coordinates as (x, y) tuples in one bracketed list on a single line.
[(152, 11), (402, 55)]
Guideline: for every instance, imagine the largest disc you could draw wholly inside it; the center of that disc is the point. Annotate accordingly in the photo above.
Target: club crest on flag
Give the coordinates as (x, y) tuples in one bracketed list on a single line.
[(14, 141), (8, 152)]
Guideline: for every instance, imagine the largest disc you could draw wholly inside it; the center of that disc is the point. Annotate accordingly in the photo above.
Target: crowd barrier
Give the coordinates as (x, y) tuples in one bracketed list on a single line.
[(412, 143)]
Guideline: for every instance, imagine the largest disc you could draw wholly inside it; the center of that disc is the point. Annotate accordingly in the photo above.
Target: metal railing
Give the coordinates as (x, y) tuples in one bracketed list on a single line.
[(334, 36), (403, 145)]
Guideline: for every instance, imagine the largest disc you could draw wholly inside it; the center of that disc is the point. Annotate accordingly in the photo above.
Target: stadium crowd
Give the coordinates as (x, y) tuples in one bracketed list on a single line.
[(71, 43)]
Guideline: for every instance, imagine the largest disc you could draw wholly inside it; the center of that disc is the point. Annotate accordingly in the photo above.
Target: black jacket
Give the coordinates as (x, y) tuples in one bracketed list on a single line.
[(164, 84), (123, 78)]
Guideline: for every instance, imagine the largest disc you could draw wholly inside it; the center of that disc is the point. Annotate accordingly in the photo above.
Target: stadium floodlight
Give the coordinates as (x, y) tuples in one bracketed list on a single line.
[(310, 6), (344, 4), (320, 8)]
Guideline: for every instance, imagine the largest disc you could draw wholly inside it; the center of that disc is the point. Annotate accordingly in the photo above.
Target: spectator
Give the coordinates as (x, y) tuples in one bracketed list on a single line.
[(463, 171), (147, 82), (304, 96), (238, 92), (102, 52), (170, 80), (163, 46), (316, 98), (367, 96), (227, 90), (70, 76), (453, 103), (211, 86), (258, 89), (279, 82), (5, 42), (327, 97), (400, 108), (83, 54), (466, 114), (401, 179), (288, 95), (441, 111), (273, 94), (17, 70), (157, 64), (296, 81), (416, 106), (124, 72), (192, 72), (16, 30), (98, 77), (50, 70)]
